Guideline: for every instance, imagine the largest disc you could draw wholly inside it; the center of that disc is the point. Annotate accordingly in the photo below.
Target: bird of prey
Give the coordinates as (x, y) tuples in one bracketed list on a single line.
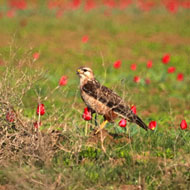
[(102, 100)]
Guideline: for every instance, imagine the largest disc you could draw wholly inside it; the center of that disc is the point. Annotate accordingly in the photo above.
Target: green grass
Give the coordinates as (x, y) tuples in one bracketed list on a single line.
[(155, 159)]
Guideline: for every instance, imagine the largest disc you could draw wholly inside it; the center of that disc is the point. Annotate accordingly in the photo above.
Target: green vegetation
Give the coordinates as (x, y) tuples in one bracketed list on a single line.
[(61, 154)]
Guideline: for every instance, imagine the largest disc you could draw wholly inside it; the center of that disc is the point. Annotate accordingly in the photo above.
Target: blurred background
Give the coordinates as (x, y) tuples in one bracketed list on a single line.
[(116, 38), (139, 48)]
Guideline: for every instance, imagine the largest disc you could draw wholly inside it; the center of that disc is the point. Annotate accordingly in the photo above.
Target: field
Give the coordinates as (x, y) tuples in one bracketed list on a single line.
[(143, 54)]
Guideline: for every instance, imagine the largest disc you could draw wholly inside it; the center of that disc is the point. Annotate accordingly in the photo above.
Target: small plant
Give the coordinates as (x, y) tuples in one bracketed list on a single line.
[(19, 139)]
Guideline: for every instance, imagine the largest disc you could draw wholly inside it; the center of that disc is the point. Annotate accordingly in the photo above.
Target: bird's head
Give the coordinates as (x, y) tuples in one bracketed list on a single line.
[(85, 73)]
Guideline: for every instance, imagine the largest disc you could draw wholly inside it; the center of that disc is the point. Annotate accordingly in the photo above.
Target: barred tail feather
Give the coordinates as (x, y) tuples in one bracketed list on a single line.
[(139, 122)]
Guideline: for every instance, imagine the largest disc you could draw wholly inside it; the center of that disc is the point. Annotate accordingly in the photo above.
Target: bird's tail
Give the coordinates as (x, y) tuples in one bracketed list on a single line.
[(139, 122)]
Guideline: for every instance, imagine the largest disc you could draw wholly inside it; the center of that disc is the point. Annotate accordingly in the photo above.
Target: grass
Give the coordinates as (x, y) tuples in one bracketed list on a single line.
[(60, 155)]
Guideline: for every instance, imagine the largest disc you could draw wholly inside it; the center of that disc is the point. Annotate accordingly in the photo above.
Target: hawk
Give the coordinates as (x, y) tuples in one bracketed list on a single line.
[(102, 100)]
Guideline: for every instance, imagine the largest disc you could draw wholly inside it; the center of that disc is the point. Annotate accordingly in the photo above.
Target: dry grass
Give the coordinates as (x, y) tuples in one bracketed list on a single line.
[(20, 140)]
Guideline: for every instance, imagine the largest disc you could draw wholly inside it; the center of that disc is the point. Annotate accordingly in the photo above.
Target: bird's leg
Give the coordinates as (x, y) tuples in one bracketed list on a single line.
[(102, 141), (101, 126)]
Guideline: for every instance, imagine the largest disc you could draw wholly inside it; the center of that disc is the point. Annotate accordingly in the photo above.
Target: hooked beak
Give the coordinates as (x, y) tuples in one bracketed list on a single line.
[(79, 71)]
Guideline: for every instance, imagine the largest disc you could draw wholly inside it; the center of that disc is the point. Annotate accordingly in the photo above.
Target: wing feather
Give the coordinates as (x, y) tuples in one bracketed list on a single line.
[(108, 97)]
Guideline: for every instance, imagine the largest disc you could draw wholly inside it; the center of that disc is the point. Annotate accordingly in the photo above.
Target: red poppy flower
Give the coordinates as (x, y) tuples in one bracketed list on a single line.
[(166, 58), (149, 64), (37, 124), (59, 13), (76, 4), (85, 39), (40, 109), (52, 5), (63, 81), (124, 3), (90, 4), (36, 55), (183, 125), (136, 79), (18, 4), (123, 123), (11, 13), (171, 69), (133, 67), (1, 62), (185, 5), (134, 109), (152, 125), (87, 114), (147, 81), (109, 3), (146, 6), (180, 76), (117, 64), (10, 116), (172, 6)]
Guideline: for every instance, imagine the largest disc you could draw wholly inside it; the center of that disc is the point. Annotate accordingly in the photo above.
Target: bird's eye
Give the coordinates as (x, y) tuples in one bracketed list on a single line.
[(85, 70)]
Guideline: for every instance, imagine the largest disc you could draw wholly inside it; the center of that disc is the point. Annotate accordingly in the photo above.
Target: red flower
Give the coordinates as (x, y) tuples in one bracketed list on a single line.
[(147, 81), (76, 4), (109, 3), (10, 116), (85, 39), (171, 69), (134, 109), (40, 109), (136, 79), (63, 81), (36, 55), (123, 123), (1, 62), (185, 5), (18, 4), (117, 64), (90, 4), (11, 13), (172, 6), (52, 5), (37, 124), (166, 58), (152, 125), (87, 114), (124, 3), (183, 125), (133, 67), (149, 64), (180, 76), (146, 6), (59, 13)]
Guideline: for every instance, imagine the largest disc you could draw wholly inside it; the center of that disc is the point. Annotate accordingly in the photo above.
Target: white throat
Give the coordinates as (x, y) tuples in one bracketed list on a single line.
[(83, 80)]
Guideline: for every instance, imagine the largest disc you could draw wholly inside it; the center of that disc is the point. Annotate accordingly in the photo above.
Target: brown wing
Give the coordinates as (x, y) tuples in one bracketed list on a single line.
[(108, 97)]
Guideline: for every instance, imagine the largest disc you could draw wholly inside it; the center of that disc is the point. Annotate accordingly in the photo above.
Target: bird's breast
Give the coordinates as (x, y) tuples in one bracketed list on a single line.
[(94, 104)]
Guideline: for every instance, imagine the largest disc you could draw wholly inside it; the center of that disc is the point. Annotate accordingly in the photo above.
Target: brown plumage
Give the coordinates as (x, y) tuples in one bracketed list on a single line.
[(102, 100)]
